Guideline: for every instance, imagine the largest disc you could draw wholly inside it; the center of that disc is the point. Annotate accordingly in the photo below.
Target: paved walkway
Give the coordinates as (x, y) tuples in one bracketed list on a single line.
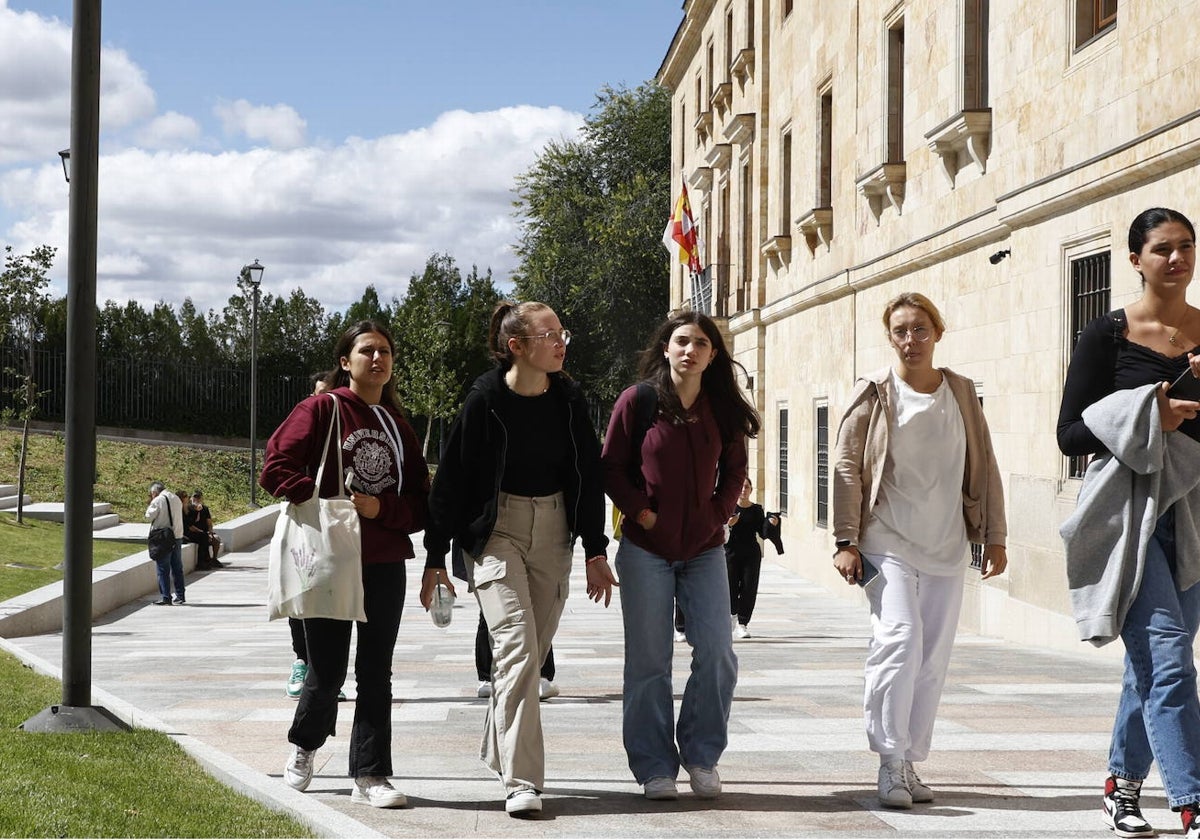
[(1019, 749)]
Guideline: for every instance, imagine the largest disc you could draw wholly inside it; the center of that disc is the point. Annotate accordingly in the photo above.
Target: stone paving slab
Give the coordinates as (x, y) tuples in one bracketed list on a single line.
[(1019, 749)]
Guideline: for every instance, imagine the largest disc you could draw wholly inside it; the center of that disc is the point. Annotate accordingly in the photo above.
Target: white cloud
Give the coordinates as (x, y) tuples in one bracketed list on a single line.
[(279, 125), (171, 130), (175, 224), (35, 102), (179, 216)]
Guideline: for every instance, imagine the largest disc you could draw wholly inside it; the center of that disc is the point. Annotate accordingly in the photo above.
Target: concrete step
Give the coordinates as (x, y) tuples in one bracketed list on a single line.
[(56, 511), (106, 520), (10, 502), (8, 489)]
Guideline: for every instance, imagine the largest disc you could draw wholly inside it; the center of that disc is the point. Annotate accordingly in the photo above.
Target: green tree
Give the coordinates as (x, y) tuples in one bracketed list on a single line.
[(592, 212), (23, 302), (440, 332)]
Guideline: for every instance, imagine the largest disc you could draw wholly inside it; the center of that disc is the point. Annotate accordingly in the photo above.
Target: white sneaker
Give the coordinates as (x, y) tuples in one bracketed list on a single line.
[(660, 788), (522, 802), (741, 632), (705, 782), (484, 689), (893, 786), (298, 771), (920, 791), (546, 689), (680, 636), (377, 792)]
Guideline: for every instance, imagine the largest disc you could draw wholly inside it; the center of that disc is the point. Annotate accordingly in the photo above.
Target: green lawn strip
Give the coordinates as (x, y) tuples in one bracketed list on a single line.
[(30, 551), (128, 784)]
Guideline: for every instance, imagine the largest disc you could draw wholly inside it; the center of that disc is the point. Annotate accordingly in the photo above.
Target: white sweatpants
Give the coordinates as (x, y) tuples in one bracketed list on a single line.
[(914, 618)]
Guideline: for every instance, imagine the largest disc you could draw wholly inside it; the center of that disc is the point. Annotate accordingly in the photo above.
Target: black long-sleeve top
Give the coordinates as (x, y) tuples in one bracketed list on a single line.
[(1106, 361)]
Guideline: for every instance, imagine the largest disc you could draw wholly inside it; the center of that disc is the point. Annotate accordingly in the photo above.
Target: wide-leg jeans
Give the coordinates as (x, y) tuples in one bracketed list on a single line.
[(328, 659), (650, 587), (1158, 716)]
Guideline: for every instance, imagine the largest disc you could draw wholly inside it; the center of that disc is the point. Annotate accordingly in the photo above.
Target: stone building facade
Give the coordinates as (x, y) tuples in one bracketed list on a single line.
[(988, 154)]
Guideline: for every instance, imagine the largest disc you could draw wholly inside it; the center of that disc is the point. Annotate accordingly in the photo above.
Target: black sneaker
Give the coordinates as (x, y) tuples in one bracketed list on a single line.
[(1122, 813), (1191, 820), (163, 602), (179, 599)]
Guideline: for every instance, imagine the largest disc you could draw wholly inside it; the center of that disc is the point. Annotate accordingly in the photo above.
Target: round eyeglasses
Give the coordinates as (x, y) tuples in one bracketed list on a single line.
[(918, 334), (557, 335)]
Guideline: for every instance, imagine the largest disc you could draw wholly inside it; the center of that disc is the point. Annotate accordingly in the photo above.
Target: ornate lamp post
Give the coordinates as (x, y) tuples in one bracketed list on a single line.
[(252, 274)]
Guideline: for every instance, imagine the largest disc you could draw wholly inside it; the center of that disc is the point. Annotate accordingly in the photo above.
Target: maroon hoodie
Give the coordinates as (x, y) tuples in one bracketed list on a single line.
[(684, 487), (368, 446)]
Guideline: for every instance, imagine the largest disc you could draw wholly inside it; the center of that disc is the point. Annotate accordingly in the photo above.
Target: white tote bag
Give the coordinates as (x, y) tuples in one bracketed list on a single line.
[(316, 552)]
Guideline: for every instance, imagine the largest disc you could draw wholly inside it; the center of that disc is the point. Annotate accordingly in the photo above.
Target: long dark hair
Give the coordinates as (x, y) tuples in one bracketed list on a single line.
[(340, 378), (733, 412)]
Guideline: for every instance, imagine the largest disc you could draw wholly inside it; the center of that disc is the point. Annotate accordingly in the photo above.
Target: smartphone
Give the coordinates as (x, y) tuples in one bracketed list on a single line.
[(352, 485), (1186, 387)]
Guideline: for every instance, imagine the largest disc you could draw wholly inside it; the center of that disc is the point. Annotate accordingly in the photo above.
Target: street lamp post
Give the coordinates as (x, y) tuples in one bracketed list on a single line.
[(252, 274)]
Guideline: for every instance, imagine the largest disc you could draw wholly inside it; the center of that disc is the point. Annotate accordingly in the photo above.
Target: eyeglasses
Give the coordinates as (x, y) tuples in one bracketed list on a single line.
[(919, 334), (559, 335)]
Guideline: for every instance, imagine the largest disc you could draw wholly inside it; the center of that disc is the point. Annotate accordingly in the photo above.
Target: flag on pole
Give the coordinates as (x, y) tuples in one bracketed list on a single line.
[(681, 235)]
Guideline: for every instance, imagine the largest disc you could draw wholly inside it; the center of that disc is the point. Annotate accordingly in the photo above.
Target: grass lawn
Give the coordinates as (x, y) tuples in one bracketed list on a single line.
[(129, 784), (30, 551)]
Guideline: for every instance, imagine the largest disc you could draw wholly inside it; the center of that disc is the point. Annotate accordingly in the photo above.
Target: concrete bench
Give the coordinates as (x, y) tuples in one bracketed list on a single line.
[(249, 528)]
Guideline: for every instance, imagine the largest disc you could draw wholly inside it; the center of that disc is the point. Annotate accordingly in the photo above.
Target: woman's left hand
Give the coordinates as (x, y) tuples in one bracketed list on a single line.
[(430, 578), (600, 579), (995, 561), (367, 506)]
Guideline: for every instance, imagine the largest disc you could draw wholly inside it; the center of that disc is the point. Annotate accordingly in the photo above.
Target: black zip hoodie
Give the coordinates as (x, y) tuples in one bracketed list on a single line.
[(462, 501)]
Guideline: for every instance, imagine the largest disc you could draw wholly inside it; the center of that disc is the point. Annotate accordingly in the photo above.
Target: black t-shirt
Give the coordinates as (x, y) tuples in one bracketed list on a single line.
[(744, 534), (537, 459), (1106, 361)]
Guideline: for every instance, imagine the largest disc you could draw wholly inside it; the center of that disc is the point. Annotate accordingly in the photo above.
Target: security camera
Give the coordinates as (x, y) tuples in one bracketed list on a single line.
[(995, 258)]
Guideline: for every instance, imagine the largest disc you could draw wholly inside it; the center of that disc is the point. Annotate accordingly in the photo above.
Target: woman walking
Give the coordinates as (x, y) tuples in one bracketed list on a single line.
[(743, 556), (518, 483), (1134, 575), (674, 462), (386, 459), (914, 479)]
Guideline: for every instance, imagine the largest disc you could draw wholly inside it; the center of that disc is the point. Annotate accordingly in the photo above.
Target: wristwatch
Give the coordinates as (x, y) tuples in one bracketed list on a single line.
[(843, 544)]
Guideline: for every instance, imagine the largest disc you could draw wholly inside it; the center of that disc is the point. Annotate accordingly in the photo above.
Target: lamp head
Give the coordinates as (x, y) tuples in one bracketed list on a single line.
[(65, 154), (253, 273)]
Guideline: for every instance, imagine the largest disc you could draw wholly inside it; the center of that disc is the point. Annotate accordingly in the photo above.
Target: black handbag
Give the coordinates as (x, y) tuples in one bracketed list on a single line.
[(161, 543)]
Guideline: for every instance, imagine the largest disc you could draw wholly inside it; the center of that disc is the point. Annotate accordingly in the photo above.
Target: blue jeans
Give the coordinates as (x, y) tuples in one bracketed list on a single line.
[(1158, 716), (328, 660), (650, 586), (168, 567)]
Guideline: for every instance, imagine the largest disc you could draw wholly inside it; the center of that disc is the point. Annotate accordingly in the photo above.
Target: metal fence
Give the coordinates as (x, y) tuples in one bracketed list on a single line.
[(162, 394)]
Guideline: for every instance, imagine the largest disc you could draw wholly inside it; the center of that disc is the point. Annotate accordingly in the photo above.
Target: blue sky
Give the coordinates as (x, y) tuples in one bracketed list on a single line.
[(340, 143)]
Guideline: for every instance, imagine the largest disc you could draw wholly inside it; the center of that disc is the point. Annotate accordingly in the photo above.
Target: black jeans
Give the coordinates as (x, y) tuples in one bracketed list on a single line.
[(744, 569), (328, 659), (483, 654)]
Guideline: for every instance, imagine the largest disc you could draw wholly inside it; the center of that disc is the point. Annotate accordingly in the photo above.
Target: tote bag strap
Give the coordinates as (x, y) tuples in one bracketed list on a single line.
[(385, 420), (334, 421)]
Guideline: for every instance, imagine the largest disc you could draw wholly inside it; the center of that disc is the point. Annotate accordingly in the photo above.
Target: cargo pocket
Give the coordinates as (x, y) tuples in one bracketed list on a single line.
[(485, 571)]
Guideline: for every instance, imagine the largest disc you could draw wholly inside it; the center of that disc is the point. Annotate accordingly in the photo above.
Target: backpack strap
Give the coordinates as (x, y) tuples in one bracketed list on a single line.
[(645, 407)]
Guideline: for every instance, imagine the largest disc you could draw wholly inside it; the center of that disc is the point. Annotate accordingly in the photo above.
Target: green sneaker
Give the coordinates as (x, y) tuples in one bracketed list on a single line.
[(295, 682)]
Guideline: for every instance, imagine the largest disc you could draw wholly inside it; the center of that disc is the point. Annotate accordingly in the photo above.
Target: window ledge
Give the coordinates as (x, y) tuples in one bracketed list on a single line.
[(718, 156), (742, 67), (778, 250), (700, 179), (703, 125), (884, 182), (967, 133), (739, 129), (817, 227), (721, 98)]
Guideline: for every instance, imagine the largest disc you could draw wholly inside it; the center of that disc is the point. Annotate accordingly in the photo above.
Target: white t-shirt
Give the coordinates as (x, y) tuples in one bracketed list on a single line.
[(918, 519)]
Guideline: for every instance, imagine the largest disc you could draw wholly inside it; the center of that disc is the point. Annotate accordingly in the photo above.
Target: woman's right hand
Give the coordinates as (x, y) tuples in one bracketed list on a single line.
[(430, 578), (849, 564), (1172, 411)]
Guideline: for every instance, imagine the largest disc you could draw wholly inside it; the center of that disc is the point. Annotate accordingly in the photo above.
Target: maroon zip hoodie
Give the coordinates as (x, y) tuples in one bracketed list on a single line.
[(368, 446), (684, 487)]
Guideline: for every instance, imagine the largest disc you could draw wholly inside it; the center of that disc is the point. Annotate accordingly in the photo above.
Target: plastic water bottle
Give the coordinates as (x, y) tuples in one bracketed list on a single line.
[(443, 604)]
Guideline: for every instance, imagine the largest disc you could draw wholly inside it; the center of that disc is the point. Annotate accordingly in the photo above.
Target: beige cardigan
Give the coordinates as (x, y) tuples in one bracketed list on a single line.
[(862, 456)]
